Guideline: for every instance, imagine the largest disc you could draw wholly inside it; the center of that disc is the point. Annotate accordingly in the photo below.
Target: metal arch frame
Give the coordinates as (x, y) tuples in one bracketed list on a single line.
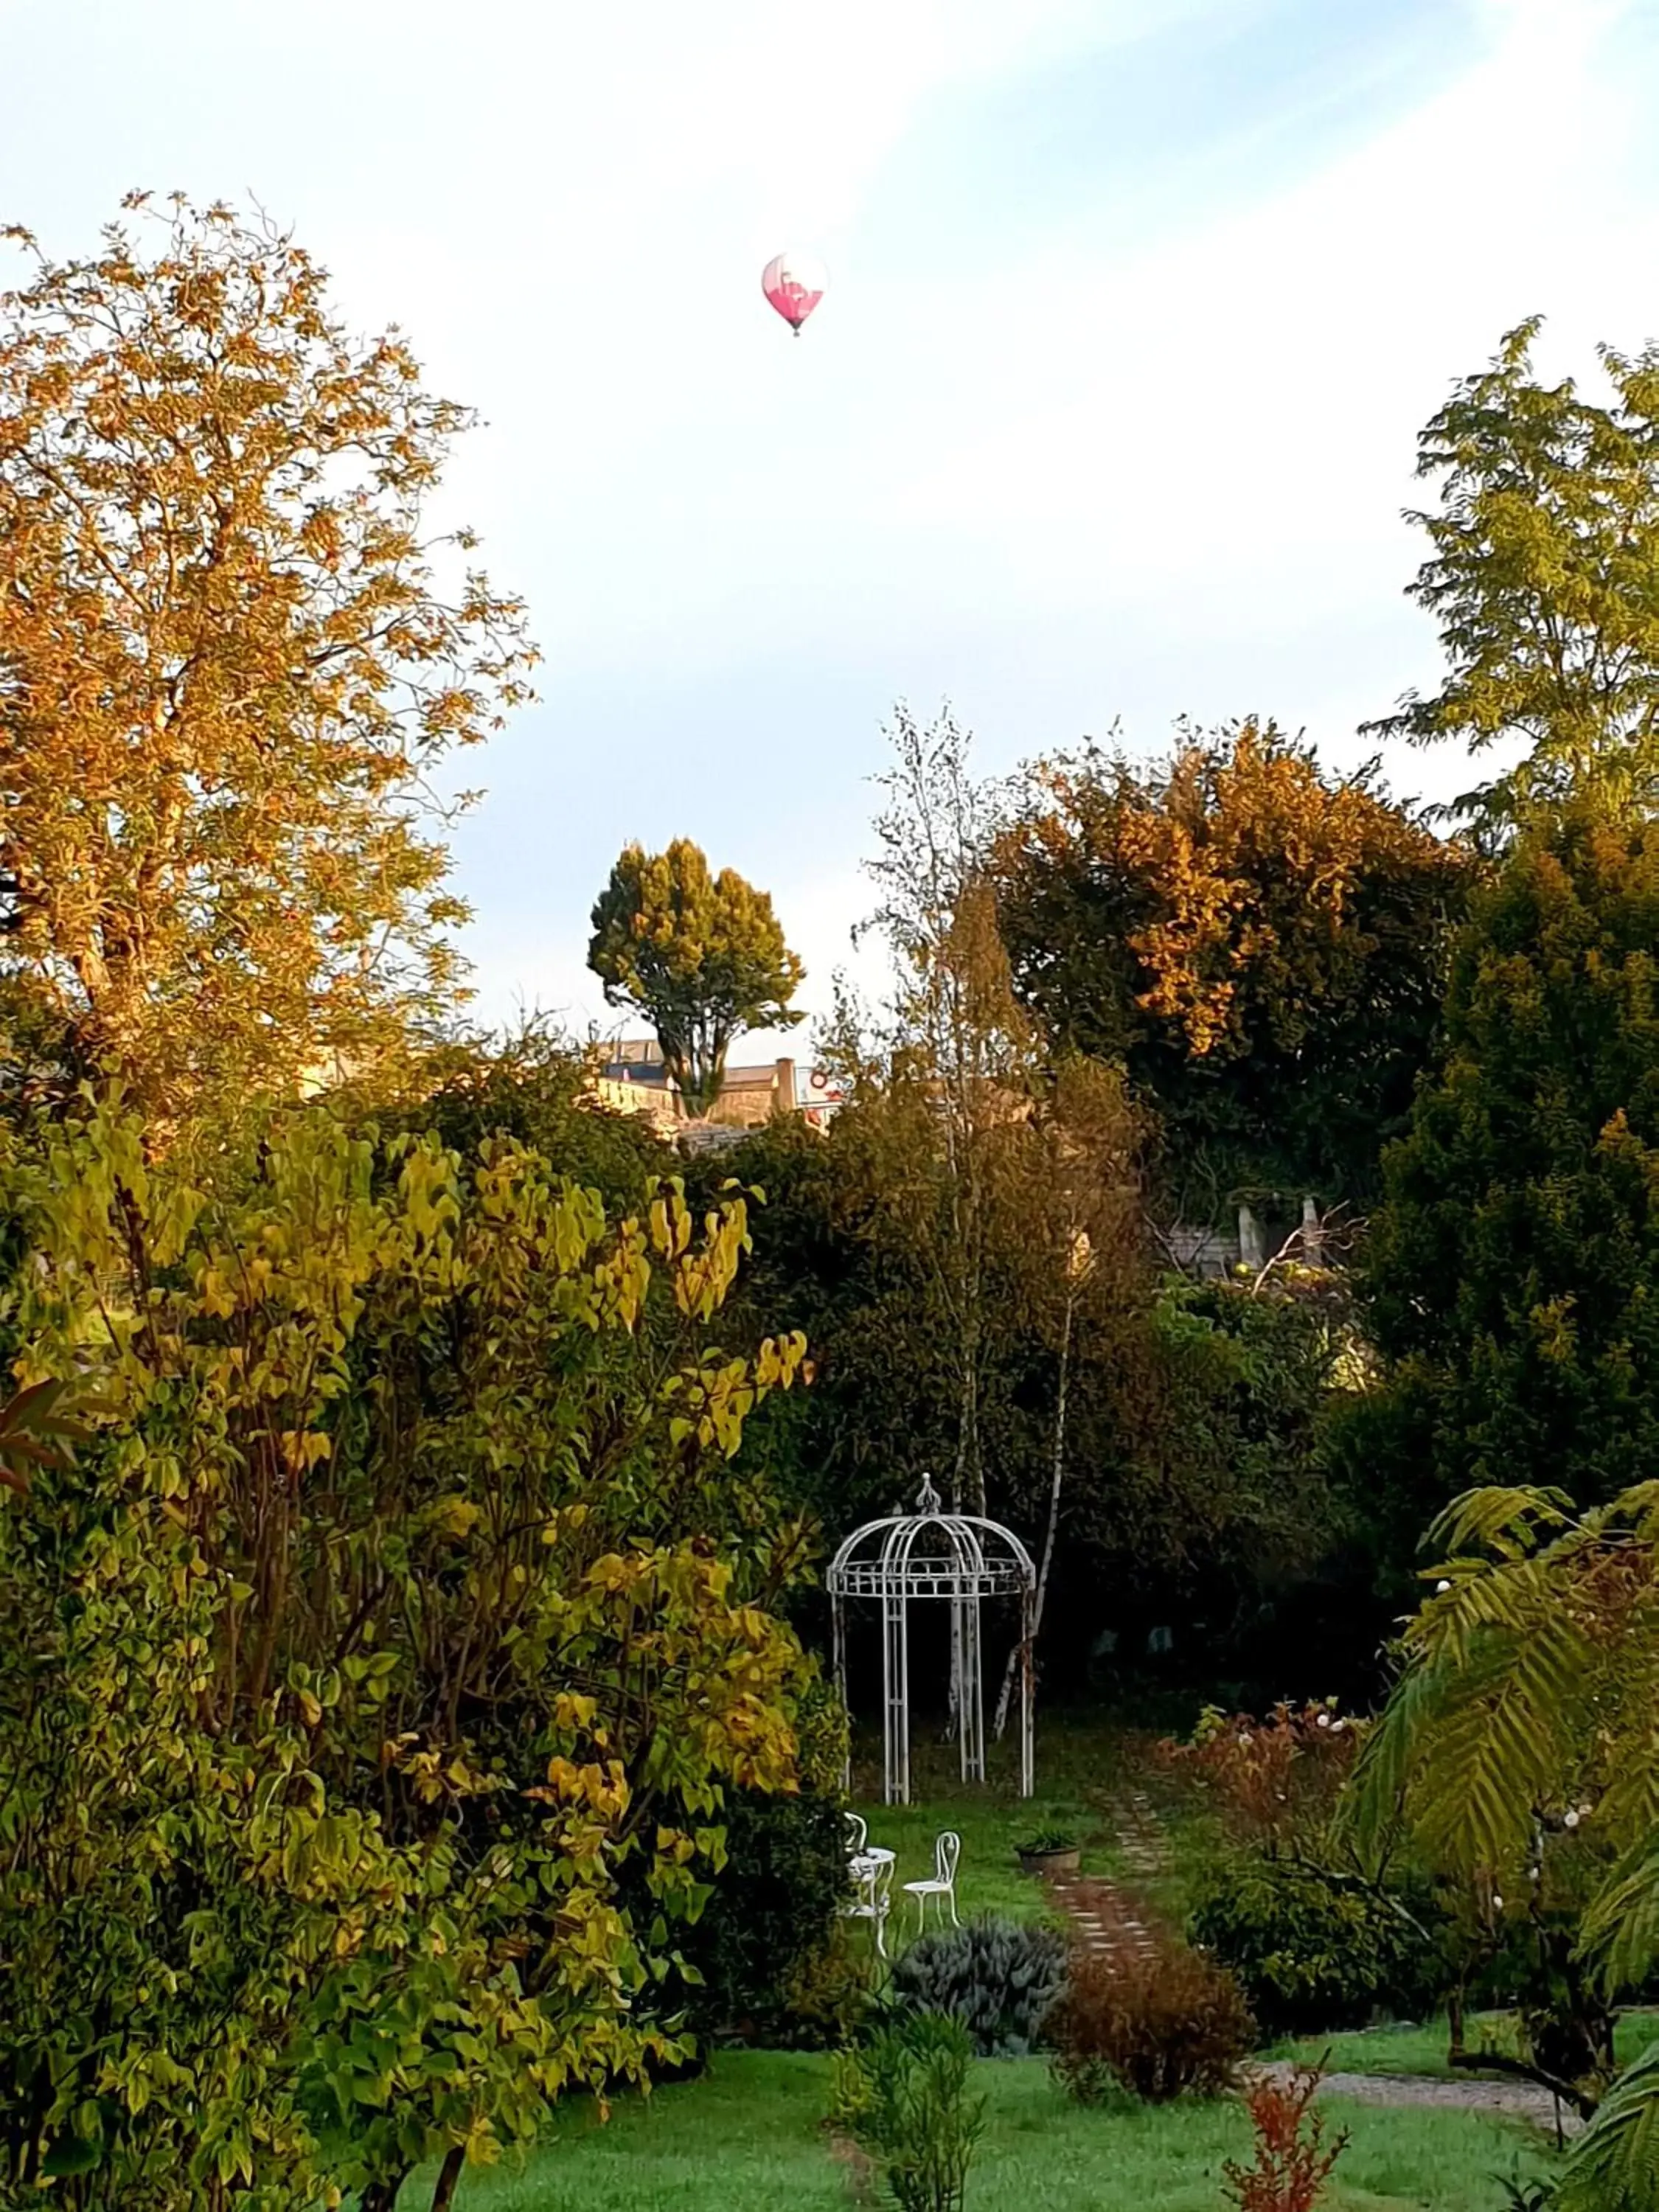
[(981, 1559)]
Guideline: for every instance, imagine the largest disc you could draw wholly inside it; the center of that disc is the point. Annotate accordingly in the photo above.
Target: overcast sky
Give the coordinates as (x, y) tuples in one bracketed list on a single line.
[(1136, 308)]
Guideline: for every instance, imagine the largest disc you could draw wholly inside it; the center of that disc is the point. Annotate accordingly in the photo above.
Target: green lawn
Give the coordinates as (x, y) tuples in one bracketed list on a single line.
[(749, 2138), (1422, 2048), (1078, 1765)]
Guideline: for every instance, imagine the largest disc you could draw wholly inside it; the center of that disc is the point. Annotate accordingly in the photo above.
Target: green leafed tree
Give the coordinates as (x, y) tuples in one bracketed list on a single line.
[(370, 1681), (701, 956), (1519, 1746), (1544, 578), (1513, 1269)]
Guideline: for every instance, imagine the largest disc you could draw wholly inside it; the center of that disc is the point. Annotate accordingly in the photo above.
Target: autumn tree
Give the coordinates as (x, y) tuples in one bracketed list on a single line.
[(1544, 579), (701, 956), (1259, 944), (233, 656), (1513, 1270), (967, 1254)]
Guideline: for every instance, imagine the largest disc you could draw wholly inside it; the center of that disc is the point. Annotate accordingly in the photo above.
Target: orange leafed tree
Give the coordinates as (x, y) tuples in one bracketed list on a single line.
[(1260, 944), (231, 656)]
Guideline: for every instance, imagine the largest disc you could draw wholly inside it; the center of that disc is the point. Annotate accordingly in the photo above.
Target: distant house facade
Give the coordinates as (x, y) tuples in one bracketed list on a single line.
[(630, 1078)]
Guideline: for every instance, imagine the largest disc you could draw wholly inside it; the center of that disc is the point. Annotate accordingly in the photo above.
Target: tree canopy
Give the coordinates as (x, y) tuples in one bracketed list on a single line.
[(1259, 944), (1545, 579), (1513, 1269), (532, 1084), (701, 956), (230, 659), (368, 1688)]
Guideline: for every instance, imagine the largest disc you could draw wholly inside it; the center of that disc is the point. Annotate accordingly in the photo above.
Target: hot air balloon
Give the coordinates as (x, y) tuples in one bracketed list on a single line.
[(794, 284)]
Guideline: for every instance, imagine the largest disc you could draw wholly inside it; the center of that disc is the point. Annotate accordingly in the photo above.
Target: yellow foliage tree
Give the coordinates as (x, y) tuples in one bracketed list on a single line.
[(228, 665), (371, 1684)]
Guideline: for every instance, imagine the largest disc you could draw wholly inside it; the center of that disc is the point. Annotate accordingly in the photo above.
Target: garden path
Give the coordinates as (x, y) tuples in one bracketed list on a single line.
[(1523, 2101), (1109, 1920)]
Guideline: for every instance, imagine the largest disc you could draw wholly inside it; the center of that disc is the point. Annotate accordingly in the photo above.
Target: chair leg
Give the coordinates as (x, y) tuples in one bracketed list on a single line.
[(955, 1922)]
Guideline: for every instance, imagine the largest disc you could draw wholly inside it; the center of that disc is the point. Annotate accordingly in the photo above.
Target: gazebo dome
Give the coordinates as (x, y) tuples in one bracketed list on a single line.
[(930, 1553)]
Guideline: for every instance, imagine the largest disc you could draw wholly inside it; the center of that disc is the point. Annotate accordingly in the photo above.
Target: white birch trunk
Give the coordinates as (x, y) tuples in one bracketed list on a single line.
[(1056, 1481)]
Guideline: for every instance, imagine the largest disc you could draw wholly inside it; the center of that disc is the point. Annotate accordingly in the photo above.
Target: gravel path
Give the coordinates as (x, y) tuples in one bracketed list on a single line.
[(1521, 2100)]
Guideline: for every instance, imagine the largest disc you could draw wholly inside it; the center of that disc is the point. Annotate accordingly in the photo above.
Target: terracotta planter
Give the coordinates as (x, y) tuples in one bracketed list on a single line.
[(1050, 1862)]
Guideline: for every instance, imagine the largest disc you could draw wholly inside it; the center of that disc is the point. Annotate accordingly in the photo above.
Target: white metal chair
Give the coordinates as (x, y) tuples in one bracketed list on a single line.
[(943, 1885), (873, 1881)]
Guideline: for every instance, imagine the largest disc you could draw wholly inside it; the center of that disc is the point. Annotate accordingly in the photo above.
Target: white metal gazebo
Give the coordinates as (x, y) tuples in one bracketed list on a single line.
[(963, 1558)]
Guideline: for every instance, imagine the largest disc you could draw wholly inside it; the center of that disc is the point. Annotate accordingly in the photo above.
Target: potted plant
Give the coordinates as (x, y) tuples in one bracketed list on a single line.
[(1051, 1850)]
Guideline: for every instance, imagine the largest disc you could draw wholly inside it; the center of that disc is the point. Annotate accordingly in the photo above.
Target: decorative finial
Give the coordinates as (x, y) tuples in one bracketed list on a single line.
[(927, 1498)]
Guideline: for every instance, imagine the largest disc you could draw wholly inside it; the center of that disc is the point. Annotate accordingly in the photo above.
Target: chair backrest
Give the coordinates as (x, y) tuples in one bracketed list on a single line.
[(858, 1832), (947, 1852)]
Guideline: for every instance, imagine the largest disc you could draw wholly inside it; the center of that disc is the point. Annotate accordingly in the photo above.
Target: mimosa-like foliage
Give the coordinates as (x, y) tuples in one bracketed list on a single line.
[(1519, 1746), (1542, 580)]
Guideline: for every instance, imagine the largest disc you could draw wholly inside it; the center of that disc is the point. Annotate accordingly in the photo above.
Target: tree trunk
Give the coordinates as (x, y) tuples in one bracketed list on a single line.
[(448, 2174), (1057, 1476), (968, 1475)]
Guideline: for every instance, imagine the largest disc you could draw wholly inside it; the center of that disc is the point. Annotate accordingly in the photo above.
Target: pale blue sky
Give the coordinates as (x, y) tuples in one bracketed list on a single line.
[(1136, 308)]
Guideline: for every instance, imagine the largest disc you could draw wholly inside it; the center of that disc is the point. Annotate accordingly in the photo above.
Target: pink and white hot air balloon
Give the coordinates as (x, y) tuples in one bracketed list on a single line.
[(794, 284)]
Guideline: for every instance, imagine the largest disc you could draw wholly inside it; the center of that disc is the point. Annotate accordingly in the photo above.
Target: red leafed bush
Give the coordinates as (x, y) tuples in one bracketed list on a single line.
[(1159, 2026), (1268, 1777), (1291, 2157)]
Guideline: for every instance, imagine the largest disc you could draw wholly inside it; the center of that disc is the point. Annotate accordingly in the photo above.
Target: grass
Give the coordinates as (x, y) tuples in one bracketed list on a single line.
[(749, 2138), (749, 2135), (1421, 2048), (1078, 1765)]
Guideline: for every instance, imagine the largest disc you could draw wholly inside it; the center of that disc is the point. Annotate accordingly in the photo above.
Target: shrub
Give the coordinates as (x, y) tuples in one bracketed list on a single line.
[(1046, 1839), (1159, 2024), (902, 2096), (1314, 1953), (769, 1946), (1269, 1779), (825, 1997), (415, 1725), (1291, 2160), (999, 1977)]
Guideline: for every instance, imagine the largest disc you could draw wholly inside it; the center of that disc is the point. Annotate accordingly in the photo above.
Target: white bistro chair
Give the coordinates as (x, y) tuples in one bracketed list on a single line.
[(943, 1885)]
